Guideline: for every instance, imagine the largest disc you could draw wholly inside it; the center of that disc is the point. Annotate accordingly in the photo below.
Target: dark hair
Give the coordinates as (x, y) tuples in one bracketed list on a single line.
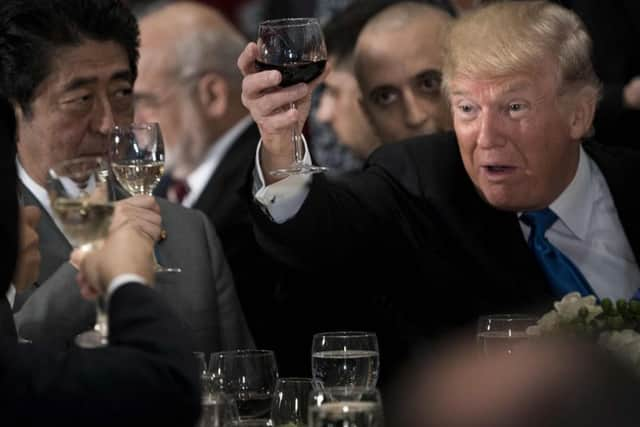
[(8, 197), (341, 32), (32, 31)]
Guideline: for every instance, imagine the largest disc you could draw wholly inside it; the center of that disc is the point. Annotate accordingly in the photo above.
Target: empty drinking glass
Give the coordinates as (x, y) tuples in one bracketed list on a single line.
[(290, 402), (247, 376)]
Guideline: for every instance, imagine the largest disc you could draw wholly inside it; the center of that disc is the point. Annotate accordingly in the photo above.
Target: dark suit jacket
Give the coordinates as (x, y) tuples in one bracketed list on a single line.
[(259, 279), (203, 294), (146, 376), (433, 256)]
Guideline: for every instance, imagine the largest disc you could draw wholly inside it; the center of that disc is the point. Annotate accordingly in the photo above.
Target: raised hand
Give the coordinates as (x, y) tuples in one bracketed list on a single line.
[(269, 105)]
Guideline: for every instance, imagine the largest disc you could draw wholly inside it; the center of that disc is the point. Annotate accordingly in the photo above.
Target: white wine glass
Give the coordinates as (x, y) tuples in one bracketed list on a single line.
[(296, 48), (137, 162), (82, 204), (500, 334), (345, 407), (249, 377), (345, 359)]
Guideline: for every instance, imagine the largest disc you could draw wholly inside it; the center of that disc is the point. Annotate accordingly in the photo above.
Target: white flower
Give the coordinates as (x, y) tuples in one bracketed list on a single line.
[(570, 305), (625, 343), (545, 325)]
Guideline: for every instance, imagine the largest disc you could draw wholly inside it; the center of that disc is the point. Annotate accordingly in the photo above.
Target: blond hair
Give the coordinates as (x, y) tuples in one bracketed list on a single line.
[(507, 38)]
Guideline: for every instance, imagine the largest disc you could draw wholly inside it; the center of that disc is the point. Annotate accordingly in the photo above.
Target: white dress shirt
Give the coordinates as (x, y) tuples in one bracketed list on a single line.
[(588, 230), (198, 179)]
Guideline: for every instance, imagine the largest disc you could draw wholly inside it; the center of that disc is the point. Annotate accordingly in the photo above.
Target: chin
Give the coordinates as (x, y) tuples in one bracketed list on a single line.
[(501, 201)]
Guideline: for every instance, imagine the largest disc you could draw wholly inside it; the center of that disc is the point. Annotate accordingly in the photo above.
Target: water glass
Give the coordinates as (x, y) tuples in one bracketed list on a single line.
[(345, 407), (346, 358)]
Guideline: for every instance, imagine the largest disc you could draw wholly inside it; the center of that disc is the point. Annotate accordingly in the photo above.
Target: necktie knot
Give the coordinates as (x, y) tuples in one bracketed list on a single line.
[(178, 190), (539, 221)]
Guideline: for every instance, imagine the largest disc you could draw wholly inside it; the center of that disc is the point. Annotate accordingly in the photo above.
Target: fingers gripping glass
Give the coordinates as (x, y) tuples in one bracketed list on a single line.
[(296, 48), (137, 161)]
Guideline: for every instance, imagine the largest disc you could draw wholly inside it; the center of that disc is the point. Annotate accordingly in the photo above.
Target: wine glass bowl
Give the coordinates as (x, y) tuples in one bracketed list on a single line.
[(345, 359), (81, 202), (247, 376), (296, 48), (137, 157)]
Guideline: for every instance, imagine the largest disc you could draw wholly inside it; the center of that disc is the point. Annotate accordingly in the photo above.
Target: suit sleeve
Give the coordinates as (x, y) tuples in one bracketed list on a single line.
[(234, 330), (146, 376), (55, 311)]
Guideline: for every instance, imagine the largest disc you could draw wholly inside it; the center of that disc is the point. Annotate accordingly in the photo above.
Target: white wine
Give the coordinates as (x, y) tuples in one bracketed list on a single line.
[(138, 176), (500, 342), (346, 368), (346, 414), (83, 221)]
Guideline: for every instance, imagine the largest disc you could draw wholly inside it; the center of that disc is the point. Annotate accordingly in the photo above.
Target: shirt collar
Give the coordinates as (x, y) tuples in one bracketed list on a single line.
[(575, 204), (39, 192), (200, 176)]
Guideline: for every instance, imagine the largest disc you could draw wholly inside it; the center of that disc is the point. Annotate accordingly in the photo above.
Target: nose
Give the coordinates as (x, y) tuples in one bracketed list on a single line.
[(416, 111), (324, 113), (490, 134), (102, 120)]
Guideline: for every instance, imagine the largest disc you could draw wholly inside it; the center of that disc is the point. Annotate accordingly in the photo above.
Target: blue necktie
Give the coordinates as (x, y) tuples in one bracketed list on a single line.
[(563, 275)]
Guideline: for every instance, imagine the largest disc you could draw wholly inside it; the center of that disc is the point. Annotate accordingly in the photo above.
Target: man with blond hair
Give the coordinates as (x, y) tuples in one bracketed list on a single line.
[(506, 214), (398, 65)]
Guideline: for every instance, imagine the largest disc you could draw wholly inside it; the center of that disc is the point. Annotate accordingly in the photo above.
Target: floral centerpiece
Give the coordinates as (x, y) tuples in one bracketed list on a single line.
[(613, 325)]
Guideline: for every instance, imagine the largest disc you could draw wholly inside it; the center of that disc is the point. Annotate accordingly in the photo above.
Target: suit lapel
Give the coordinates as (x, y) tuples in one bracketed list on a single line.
[(54, 246), (492, 238)]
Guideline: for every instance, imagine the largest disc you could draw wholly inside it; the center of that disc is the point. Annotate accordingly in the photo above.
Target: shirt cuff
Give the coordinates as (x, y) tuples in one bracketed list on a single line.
[(123, 279), (282, 199), (11, 294)]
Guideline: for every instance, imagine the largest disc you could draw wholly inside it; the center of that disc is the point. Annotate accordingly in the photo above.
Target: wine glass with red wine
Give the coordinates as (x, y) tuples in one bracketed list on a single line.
[(295, 47)]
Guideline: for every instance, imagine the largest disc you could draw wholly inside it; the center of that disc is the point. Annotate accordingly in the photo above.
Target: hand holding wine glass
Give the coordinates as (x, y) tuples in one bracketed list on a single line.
[(137, 161), (268, 99)]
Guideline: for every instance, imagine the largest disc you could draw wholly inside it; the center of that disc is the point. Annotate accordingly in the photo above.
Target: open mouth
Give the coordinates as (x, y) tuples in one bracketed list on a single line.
[(497, 171)]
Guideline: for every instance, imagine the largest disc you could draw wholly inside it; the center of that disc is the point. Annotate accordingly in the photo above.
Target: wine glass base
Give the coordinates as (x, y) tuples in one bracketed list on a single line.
[(91, 339), (298, 170)]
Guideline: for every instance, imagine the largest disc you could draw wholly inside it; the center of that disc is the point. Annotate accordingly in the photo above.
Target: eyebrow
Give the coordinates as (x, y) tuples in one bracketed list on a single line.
[(80, 82), (514, 87)]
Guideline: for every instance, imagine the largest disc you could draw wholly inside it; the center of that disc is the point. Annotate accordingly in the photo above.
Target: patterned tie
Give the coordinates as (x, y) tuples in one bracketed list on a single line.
[(178, 190), (563, 275)]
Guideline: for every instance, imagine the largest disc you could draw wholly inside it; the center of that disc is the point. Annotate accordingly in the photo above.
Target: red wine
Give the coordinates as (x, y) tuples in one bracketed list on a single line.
[(295, 72)]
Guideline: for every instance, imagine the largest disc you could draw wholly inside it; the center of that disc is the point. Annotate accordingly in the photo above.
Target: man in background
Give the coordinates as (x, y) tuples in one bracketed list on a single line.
[(398, 65), (339, 104)]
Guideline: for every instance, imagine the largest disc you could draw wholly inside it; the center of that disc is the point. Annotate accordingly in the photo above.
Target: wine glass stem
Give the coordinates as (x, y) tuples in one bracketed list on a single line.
[(102, 322), (298, 148)]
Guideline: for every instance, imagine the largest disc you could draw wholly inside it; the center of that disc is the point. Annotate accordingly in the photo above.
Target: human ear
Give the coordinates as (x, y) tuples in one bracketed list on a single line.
[(213, 94), (583, 111)]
